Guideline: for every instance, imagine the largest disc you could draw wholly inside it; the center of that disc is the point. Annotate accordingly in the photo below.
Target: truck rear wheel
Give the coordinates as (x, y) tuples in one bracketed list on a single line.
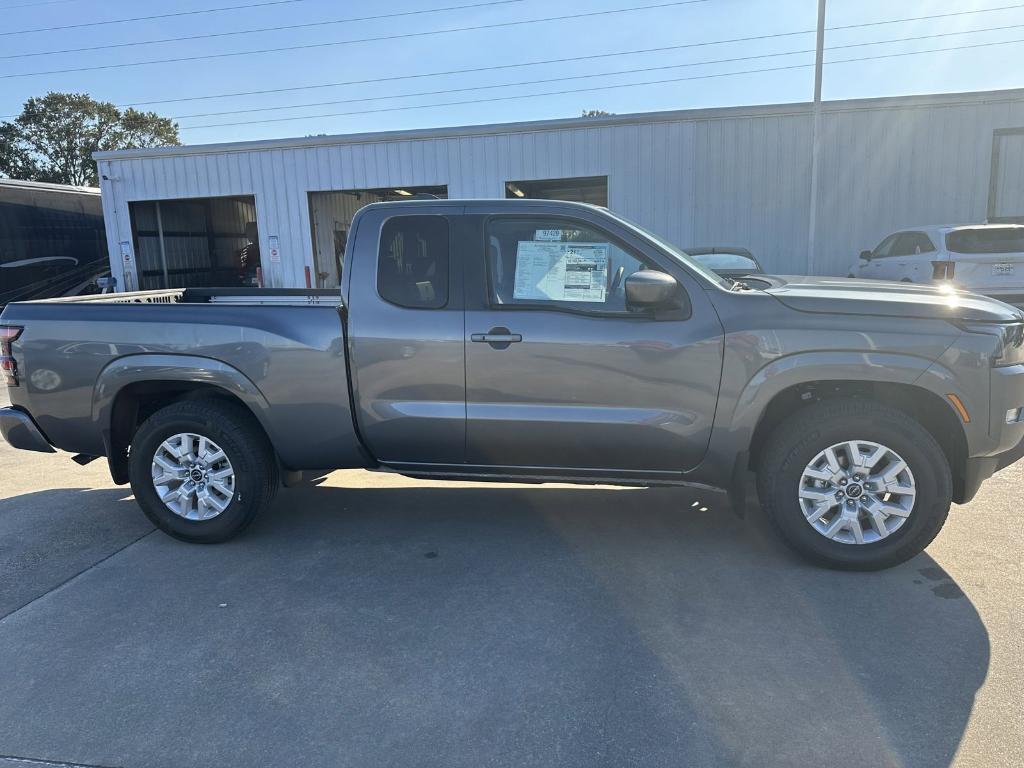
[(855, 485), (202, 470)]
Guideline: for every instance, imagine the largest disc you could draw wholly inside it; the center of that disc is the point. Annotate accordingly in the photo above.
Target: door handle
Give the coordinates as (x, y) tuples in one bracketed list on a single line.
[(500, 337), (497, 338)]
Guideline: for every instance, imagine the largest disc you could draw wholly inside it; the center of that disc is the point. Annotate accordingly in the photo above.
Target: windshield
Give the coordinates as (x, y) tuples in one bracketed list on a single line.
[(677, 253), (731, 261)]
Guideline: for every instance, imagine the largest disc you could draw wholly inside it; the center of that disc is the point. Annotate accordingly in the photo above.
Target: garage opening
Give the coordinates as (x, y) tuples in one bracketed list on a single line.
[(1006, 185), (582, 189), (210, 242), (330, 218)]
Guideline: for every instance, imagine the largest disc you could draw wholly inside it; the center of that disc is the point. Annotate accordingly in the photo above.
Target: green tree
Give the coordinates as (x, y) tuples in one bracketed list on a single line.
[(55, 135), (596, 113)]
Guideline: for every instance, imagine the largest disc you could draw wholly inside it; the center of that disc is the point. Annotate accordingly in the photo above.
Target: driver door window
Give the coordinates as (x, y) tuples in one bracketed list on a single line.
[(557, 264), (885, 247)]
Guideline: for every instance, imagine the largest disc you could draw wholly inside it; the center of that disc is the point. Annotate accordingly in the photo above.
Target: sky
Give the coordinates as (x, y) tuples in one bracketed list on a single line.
[(689, 33)]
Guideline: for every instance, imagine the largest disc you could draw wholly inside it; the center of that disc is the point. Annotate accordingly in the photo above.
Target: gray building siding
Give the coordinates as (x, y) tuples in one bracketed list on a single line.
[(737, 176)]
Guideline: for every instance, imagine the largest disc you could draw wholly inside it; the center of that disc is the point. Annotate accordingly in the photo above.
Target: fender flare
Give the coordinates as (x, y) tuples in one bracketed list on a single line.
[(188, 369), (731, 439), (803, 367)]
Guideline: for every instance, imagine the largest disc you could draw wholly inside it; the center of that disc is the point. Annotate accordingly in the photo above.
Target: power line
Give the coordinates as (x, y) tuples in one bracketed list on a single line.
[(304, 25), (402, 36), (307, 25), (151, 18), (490, 68), (596, 74), (929, 17), (599, 87), (492, 86), (546, 61)]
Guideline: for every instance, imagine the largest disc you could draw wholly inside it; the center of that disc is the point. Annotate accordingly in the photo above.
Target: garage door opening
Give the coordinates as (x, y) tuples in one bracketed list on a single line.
[(210, 242), (330, 218), (582, 189), (1006, 185)]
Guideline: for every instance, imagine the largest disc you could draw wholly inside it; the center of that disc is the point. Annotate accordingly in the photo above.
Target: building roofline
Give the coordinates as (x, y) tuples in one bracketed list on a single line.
[(713, 113), (47, 186)]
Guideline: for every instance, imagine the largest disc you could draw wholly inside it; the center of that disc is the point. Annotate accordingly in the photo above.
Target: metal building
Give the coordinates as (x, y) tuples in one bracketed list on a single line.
[(196, 215)]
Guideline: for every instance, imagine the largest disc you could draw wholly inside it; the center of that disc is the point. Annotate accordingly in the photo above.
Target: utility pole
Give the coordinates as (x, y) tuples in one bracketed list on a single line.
[(812, 221)]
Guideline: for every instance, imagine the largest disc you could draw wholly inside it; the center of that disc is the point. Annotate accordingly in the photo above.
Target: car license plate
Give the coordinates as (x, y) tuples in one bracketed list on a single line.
[(1002, 269)]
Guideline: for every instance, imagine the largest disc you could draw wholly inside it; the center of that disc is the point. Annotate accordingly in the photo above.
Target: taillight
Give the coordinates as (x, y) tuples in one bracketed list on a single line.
[(8, 366), (943, 270)]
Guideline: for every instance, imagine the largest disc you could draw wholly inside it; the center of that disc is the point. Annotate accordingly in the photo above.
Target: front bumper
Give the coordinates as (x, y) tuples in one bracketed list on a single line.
[(980, 468), (1006, 438), (1006, 394), (21, 432)]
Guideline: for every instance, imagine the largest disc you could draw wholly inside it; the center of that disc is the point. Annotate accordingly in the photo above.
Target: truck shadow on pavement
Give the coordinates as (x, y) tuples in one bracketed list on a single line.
[(468, 625)]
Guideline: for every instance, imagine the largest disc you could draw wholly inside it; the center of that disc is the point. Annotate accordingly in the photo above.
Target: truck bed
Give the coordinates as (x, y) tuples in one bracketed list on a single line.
[(294, 296), (280, 352)]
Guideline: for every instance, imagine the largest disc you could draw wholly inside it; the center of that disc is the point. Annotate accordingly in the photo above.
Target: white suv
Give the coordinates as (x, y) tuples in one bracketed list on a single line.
[(983, 258)]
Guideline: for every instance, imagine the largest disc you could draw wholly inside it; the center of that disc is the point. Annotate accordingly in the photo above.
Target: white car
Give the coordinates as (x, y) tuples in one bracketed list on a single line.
[(982, 258)]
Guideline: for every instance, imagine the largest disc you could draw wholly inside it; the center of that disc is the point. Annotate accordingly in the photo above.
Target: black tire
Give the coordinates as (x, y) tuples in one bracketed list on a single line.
[(236, 431), (796, 442)]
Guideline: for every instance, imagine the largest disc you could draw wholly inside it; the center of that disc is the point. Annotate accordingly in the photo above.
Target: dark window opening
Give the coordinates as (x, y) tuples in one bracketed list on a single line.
[(911, 244), (583, 189), (208, 242), (412, 265), (986, 240), (330, 219)]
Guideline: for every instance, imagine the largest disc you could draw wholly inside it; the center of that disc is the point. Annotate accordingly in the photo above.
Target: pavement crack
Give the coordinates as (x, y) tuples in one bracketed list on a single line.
[(65, 582)]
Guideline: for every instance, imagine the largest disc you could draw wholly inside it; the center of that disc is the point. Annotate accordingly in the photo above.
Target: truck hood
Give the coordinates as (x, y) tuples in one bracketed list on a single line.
[(832, 295)]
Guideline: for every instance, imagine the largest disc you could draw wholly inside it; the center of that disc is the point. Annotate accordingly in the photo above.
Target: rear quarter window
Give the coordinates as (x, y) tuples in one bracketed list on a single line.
[(412, 263), (1002, 240)]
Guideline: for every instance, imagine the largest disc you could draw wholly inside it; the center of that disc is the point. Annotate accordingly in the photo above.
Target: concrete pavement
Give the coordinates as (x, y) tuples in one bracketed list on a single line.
[(381, 621)]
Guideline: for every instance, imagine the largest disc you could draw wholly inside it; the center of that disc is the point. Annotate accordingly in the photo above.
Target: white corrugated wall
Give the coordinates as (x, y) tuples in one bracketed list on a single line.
[(733, 179)]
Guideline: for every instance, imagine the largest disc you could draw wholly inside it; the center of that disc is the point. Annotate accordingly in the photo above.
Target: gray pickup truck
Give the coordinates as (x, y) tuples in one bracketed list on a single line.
[(534, 341)]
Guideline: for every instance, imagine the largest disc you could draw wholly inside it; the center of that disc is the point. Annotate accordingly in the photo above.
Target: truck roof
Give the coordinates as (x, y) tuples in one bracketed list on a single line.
[(478, 202)]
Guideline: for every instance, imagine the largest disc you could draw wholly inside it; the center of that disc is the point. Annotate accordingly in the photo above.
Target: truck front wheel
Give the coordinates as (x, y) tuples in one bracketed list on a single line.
[(202, 470), (854, 484)]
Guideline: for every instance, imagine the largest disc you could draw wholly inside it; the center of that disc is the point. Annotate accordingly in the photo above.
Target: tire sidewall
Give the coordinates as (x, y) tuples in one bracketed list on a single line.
[(931, 477), (247, 485)]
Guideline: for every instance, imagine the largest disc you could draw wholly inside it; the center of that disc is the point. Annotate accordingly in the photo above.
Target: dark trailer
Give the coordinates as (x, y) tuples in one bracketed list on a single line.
[(52, 240)]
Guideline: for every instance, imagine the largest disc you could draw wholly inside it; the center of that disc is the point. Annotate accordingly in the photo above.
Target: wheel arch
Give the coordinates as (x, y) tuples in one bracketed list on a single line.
[(929, 409), (131, 388)]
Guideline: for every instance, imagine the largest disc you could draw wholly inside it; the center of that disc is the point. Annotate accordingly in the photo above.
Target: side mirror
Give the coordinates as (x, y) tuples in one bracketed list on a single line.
[(865, 255), (650, 289)]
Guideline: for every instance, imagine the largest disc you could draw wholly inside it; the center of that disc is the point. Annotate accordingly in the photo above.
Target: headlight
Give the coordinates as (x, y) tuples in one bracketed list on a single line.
[(1009, 341), (1012, 345)]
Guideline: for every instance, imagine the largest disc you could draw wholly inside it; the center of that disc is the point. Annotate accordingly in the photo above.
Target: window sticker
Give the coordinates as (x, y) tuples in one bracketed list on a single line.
[(548, 234), (561, 271)]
